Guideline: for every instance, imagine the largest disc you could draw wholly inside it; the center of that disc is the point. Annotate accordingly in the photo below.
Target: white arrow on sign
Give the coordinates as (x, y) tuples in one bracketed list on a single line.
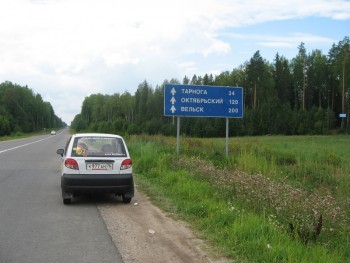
[(173, 91), (172, 109), (173, 100)]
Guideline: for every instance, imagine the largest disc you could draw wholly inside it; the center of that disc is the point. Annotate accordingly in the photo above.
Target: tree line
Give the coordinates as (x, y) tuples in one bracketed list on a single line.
[(304, 95), (21, 110)]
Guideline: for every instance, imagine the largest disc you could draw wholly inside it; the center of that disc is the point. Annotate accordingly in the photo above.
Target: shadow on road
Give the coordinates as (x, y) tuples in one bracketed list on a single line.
[(96, 199)]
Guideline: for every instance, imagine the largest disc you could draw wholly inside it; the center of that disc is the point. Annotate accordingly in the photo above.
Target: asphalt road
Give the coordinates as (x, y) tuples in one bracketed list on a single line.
[(35, 226)]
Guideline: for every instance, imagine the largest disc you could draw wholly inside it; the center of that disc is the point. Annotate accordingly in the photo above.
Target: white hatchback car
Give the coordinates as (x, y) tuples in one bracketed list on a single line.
[(96, 163)]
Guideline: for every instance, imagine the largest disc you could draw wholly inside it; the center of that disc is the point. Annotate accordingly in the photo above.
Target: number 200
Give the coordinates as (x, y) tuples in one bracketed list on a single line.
[(233, 110)]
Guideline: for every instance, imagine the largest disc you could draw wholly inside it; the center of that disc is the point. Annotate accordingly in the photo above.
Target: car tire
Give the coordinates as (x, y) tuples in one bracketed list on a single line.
[(66, 201), (126, 200)]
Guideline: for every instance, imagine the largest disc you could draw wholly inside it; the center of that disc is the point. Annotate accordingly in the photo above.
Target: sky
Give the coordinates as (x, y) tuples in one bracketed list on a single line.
[(66, 50)]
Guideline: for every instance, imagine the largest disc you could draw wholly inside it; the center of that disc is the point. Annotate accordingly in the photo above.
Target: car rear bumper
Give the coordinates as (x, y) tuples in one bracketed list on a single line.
[(90, 183)]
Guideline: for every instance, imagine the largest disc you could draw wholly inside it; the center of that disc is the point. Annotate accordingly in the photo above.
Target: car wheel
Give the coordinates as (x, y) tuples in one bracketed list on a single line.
[(126, 200), (66, 201)]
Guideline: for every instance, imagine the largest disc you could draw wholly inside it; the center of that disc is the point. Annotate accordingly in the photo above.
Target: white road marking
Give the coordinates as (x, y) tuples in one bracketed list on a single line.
[(10, 149)]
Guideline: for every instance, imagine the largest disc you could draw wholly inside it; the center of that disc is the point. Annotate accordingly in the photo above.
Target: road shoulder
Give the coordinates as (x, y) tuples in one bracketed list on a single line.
[(144, 233)]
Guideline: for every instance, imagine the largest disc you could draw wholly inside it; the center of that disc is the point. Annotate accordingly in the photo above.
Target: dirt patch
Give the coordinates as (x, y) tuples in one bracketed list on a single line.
[(143, 233)]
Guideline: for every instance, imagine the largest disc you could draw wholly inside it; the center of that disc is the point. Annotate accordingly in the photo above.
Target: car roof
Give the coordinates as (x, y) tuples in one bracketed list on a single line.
[(96, 135)]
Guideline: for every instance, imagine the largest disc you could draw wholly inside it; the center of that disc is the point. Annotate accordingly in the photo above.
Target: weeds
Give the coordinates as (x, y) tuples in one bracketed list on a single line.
[(305, 214), (254, 216)]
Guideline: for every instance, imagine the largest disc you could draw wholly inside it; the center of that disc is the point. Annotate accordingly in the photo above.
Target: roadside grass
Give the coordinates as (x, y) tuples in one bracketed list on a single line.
[(21, 135), (245, 205)]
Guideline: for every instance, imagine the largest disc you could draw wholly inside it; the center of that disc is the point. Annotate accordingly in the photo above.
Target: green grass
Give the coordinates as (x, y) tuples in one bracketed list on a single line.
[(316, 162), (21, 135), (243, 205)]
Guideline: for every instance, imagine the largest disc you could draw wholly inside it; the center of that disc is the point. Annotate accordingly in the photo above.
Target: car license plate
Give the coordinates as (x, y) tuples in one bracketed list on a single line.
[(99, 166)]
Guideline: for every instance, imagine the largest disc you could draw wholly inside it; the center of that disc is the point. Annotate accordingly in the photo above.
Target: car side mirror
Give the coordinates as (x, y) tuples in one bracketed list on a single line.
[(60, 152)]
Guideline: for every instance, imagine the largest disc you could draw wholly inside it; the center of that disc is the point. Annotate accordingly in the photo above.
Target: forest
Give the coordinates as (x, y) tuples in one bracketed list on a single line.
[(21, 110), (304, 95)]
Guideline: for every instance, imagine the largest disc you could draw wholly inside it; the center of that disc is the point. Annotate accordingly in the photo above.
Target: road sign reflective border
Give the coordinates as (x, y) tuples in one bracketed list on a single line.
[(203, 101)]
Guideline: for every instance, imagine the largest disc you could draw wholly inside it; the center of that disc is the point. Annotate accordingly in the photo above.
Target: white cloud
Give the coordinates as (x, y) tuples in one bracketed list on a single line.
[(290, 41), (76, 47), (188, 67), (71, 34)]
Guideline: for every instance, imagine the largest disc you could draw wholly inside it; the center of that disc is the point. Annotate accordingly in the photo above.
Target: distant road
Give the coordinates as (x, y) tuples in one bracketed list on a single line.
[(35, 226)]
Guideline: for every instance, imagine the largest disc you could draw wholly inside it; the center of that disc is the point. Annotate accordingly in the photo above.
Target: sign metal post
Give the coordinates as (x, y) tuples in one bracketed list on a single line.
[(178, 136)]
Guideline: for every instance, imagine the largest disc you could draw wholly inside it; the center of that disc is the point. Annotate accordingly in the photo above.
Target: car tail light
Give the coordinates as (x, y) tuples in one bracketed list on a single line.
[(71, 164), (126, 164)]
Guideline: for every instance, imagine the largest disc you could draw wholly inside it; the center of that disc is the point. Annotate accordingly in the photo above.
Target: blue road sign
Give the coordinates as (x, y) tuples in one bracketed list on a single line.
[(203, 101)]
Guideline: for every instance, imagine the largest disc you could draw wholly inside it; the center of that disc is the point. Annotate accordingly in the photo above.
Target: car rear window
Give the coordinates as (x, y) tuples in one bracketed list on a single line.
[(98, 147)]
